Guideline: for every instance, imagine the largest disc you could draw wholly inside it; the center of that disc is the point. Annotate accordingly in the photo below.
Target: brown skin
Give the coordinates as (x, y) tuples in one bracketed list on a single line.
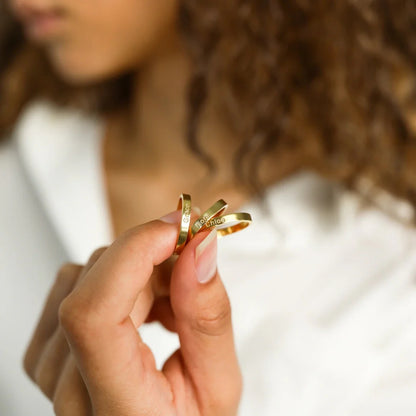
[(148, 138), (147, 166), (108, 370), (97, 40), (144, 147), (286, 82), (143, 153)]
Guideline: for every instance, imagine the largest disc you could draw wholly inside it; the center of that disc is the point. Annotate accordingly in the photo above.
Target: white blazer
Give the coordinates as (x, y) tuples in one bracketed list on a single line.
[(323, 290)]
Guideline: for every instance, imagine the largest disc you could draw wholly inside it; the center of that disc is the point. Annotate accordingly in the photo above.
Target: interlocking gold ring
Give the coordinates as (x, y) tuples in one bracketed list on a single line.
[(211, 218), (186, 207), (231, 223), (215, 210)]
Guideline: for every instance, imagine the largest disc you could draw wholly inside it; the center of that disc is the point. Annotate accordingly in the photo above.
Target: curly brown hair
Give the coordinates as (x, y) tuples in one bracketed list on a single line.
[(332, 80)]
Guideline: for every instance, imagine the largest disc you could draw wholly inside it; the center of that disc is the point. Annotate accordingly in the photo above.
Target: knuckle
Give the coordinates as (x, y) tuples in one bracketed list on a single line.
[(67, 272), (140, 235), (68, 269), (215, 320), (69, 315), (28, 365), (131, 235), (76, 319), (96, 255), (65, 314)]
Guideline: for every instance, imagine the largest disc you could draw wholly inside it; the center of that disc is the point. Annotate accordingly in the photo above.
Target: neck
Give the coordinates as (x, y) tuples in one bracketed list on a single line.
[(146, 149), (147, 145), (158, 114), (153, 128)]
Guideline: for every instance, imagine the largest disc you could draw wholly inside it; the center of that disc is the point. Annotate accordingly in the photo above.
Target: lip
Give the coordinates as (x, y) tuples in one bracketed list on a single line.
[(42, 25)]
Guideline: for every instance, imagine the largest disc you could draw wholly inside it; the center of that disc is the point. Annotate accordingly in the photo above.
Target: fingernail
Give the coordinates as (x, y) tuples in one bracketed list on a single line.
[(197, 210), (172, 218), (206, 258)]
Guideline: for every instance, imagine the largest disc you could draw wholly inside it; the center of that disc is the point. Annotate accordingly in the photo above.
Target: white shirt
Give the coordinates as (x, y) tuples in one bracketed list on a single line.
[(322, 288)]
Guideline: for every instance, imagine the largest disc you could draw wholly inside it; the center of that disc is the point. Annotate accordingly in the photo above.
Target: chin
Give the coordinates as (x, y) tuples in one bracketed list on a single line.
[(85, 69)]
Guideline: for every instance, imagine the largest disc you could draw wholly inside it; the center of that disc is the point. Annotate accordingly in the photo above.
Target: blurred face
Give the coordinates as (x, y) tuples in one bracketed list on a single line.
[(90, 40)]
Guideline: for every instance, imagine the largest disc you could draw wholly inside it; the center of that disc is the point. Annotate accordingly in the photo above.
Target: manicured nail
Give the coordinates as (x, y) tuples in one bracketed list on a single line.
[(172, 218), (197, 210), (206, 258)]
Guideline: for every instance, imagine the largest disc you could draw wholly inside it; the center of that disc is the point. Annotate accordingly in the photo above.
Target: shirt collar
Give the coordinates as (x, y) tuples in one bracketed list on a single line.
[(61, 152)]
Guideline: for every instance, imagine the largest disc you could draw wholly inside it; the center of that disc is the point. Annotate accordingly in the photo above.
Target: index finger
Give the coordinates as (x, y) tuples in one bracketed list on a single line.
[(96, 316), (111, 287)]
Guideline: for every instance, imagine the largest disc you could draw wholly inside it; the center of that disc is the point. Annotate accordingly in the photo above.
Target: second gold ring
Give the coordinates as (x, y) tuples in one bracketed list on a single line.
[(215, 210)]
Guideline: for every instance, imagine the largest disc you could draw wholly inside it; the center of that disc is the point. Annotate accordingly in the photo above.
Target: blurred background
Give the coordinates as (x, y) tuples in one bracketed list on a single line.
[(300, 113)]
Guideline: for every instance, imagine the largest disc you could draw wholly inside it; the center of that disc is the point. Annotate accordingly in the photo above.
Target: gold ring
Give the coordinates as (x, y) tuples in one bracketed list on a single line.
[(231, 223), (186, 207), (217, 209)]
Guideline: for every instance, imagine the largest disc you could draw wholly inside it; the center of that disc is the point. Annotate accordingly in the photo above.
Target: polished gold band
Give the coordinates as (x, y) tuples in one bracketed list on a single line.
[(217, 209), (211, 218), (229, 224), (186, 207)]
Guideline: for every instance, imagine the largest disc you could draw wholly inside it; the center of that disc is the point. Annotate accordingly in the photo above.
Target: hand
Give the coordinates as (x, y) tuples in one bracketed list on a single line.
[(107, 369)]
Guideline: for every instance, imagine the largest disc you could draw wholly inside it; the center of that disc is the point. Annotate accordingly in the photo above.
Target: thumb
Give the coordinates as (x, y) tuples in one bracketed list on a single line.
[(203, 321)]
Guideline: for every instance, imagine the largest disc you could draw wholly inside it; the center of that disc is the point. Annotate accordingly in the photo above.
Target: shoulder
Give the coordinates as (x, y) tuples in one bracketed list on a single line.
[(57, 178), (23, 221), (25, 226)]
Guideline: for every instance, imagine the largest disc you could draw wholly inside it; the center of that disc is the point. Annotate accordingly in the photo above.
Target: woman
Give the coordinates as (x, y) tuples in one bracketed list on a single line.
[(260, 90)]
